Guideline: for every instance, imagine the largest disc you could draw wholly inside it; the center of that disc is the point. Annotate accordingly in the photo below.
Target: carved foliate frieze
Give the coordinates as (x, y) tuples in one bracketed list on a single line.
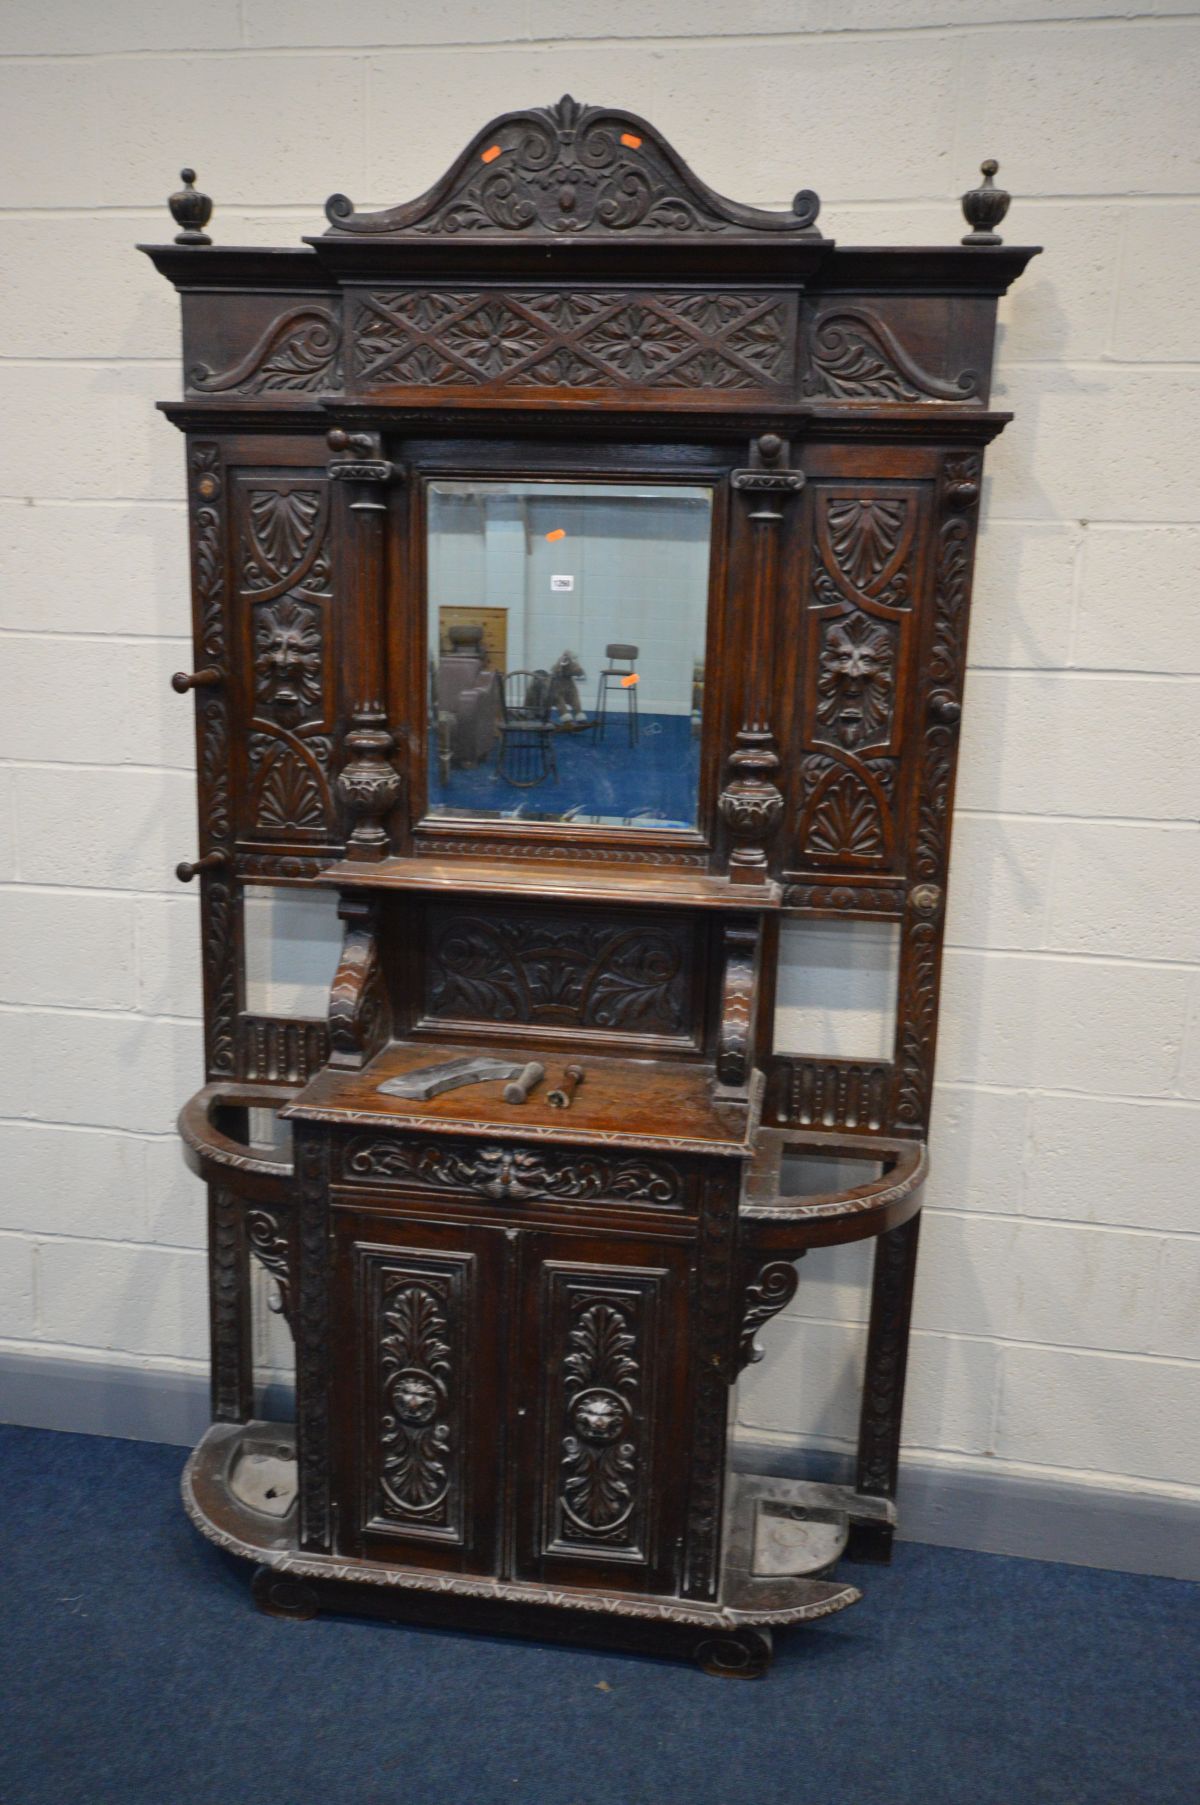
[(600, 1423), (560, 971), (592, 339), (516, 1173), (859, 638), (571, 170), (297, 354), (285, 590), (855, 356), (845, 899), (664, 858)]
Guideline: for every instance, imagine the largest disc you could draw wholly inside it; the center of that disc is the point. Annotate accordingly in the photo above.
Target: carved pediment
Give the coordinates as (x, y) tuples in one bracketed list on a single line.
[(571, 170)]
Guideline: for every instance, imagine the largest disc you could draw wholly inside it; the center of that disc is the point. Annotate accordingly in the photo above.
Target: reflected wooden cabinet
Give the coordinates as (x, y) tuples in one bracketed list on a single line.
[(581, 568)]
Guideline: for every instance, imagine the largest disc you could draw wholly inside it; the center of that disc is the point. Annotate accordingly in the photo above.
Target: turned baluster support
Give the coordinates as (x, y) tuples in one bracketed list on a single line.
[(369, 786)]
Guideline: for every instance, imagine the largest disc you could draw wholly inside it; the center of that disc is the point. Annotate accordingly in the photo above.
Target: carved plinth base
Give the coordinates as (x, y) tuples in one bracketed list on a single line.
[(731, 1637)]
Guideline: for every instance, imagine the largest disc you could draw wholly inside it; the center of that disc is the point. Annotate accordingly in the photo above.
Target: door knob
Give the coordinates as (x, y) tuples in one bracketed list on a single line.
[(182, 681)]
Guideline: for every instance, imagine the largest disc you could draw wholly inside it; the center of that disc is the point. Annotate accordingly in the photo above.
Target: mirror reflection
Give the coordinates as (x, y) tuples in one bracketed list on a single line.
[(567, 645)]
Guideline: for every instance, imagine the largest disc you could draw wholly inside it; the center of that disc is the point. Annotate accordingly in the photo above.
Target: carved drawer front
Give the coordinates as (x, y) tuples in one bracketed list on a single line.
[(507, 1172), (419, 1407), (602, 1411)]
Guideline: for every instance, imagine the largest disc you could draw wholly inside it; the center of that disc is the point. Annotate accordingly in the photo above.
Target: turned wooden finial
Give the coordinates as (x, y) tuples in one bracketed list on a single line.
[(369, 785), (985, 206), (191, 210)]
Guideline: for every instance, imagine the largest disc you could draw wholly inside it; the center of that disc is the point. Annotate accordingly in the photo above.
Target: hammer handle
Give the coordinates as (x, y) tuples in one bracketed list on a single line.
[(517, 1091)]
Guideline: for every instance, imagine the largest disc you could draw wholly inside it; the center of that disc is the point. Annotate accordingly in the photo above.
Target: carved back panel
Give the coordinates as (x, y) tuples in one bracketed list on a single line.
[(631, 977)]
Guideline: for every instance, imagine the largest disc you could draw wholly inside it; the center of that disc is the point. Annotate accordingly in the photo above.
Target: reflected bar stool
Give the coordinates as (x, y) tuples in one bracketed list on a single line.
[(622, 661)]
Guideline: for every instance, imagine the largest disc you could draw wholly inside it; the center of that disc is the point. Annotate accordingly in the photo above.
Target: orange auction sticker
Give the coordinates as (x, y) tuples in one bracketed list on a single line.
[(628, 682), (560, 532)]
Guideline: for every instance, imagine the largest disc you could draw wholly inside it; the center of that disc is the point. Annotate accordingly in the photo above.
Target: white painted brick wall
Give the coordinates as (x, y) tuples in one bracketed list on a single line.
[(1057, 1302)]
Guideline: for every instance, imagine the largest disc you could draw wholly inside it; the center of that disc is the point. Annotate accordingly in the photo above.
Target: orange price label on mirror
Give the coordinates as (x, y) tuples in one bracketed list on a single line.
[(560, 532), (628, 682)]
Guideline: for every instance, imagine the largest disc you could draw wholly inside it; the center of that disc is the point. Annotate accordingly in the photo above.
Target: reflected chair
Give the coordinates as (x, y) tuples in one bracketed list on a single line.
[(468, 695), (526, 731), (621, 666)]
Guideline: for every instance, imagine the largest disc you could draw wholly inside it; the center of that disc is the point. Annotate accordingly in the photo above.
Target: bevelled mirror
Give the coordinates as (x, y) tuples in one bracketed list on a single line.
[(567, 650)]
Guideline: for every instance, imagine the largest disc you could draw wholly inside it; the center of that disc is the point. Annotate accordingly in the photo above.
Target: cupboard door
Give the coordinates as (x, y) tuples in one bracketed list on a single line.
[(601, 1411), (419, 1307)]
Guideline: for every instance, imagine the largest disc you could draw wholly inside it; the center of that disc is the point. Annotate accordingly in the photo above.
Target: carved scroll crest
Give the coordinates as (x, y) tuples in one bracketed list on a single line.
[(572, 169)]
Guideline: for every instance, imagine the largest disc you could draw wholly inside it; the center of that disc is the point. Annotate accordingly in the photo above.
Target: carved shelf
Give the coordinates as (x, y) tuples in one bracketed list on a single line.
[(528, 878), (647, 1103)]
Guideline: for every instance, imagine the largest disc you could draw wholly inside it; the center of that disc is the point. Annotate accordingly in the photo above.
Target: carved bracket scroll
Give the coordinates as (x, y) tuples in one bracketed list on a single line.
[(770, 1287), (359, 1010), (739, 1005)]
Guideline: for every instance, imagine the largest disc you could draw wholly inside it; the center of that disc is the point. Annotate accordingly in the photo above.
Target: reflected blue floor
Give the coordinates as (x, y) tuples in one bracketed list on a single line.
[(607, 778), (136, 1672)]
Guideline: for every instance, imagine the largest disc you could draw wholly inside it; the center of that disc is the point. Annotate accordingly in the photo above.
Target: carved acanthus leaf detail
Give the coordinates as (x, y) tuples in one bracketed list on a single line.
[(599, 1452), (553, 971), (414, 1379), (855, 357), (297, 354)]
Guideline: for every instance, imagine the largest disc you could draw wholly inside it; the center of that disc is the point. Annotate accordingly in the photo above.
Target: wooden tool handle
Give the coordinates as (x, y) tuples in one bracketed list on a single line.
[(572, 1079), (518, 1090)]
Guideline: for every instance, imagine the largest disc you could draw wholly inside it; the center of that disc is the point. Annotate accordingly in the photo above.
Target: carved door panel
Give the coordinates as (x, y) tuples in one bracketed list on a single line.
[(419, 1410), (848, 719), (601, 1411)]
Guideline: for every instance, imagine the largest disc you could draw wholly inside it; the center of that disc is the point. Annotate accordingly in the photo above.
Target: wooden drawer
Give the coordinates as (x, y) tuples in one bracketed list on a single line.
[(516, 1172)]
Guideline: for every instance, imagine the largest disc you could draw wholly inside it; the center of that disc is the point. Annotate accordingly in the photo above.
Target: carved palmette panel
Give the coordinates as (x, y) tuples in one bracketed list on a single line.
[(598, 1451), (591, 971), (283, 583), (860, 639), (415, 1309)]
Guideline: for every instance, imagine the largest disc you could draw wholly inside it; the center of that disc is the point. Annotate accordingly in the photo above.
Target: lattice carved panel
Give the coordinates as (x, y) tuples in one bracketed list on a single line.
[(584, 339)]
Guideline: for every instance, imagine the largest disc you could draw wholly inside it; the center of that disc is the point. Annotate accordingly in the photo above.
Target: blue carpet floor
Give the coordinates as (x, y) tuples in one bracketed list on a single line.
[(608, 778), (136, 1672)]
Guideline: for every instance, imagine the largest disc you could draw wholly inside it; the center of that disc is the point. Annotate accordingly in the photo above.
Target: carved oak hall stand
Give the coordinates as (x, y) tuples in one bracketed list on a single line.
[(568, 423)]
